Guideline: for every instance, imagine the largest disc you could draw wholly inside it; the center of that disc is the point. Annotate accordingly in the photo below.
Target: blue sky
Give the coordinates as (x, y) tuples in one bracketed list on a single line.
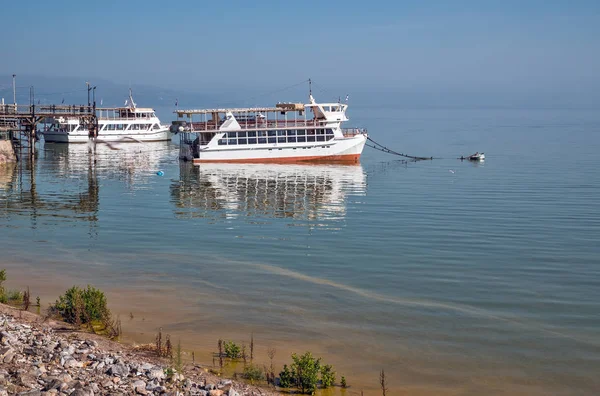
[(550, 47)]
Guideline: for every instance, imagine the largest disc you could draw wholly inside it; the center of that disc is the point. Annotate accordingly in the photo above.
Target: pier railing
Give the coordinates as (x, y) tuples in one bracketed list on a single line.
[(11, 110)]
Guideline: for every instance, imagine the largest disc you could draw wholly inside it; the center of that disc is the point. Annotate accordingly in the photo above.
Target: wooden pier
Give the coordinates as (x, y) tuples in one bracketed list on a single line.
[(24, 119)]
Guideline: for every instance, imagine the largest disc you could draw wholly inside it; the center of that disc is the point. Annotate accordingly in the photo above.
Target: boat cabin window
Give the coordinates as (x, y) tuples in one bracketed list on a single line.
[(276, 136)]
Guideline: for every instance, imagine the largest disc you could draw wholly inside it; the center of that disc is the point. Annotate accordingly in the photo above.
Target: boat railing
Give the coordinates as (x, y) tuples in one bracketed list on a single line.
[(350, 132), (201, 126)]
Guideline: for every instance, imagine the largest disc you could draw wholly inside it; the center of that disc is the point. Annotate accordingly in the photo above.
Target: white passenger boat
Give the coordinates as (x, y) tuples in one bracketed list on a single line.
[(288, 132), (114, 124)]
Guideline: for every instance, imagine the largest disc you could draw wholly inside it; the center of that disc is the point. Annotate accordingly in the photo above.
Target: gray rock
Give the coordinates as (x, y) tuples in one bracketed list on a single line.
[(53, 384), (82, 392), (147, 366), (4, 350), (8, 357), (233, 392), (120, 370), (65, 377), (31, 393), (29, 351), (91, 343), (156, 374), (210, 386), (140, 387), (72, 363)]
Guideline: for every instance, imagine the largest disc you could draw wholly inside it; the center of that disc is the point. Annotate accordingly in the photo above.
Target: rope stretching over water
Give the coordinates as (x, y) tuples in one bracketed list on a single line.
[(381, 147)]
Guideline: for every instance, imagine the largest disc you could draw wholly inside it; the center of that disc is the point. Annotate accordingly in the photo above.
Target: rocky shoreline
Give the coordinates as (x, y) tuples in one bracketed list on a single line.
[(40, 357)]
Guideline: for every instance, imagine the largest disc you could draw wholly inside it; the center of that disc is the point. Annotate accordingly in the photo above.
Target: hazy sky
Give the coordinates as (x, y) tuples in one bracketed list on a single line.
[(451, 45)]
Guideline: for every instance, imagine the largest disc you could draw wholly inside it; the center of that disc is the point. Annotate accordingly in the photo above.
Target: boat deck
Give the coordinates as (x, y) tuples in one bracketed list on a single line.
[(260, 125)]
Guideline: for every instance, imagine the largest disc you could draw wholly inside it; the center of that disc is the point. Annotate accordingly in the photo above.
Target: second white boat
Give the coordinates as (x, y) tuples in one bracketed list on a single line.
[(114, 124)]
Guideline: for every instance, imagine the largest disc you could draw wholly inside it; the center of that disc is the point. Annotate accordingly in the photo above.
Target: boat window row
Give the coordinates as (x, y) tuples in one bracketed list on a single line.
[(279, 136), (132, 127), (286, 132)]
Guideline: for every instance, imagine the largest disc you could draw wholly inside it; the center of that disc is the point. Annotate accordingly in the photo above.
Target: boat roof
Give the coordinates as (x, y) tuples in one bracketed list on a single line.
[(237, 110), (279, 107)]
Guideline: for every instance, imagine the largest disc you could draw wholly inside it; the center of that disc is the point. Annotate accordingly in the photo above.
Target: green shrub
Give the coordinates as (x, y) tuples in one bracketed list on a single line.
[(286, 377), (327, 376), (82, 305), (306, 369), (232, 350), (304, 374), (14, 296), (343, 382), (253, 373)]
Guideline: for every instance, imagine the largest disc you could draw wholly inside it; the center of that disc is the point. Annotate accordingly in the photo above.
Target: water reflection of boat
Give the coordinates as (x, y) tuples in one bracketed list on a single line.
[(257, 190), (130, 158)]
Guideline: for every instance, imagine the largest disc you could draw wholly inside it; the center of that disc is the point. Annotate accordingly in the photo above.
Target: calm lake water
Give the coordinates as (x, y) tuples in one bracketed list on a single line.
[(483, 280)]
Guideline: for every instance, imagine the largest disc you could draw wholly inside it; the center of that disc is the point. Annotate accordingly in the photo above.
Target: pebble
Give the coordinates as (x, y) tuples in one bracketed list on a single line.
[(37, 361)]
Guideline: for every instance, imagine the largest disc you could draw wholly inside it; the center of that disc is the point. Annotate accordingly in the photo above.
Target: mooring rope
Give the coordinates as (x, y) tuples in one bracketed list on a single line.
[(381, 147)]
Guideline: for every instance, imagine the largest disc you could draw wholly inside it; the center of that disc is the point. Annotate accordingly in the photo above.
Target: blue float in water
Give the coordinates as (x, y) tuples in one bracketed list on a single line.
[(160, 173)]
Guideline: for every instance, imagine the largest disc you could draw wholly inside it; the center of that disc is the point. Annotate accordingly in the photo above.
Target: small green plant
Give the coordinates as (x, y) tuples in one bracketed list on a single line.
[(37, 301), (286, 377), (253, 373), (244, 355), (271, 372), (168, 348), (26, 299), (178, 360), (159, 345), (383, 383), (251, 347), (327, 376), (343, 382), (169, 373), (82, 305), (232, 350), (3, 298)]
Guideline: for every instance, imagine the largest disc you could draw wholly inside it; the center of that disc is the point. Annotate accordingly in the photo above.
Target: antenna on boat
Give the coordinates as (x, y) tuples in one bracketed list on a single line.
[(310, 86), (131, 98)]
